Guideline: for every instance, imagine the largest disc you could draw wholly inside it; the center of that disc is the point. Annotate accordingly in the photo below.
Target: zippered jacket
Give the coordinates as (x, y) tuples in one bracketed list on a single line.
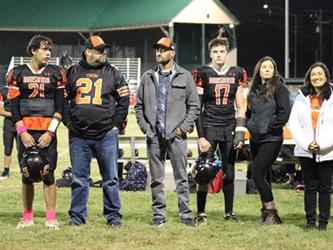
[(302, 130)]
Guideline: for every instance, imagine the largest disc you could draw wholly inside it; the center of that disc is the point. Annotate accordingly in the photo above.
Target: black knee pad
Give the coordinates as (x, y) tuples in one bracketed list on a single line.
[(26, 180), (49, 179), (8, 151), (229, 174)]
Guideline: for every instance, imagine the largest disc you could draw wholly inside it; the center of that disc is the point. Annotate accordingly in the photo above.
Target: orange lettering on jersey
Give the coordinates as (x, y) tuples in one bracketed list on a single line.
[(92, 75)]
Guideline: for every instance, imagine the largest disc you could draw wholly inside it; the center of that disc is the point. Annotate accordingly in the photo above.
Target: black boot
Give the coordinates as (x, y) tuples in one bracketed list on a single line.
[(263, 215), (272, 217)]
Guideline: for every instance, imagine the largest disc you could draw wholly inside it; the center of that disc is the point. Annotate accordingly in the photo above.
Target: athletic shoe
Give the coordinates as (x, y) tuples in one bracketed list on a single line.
[(310, 226), (189, 222), (201, 219), (158, 222), (52, 224), (25, 223), (322, 227), (4, 175), (115, 224), (230, 217)]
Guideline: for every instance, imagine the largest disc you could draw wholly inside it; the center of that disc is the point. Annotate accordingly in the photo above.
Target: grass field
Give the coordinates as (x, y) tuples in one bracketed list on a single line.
[(136, 232)]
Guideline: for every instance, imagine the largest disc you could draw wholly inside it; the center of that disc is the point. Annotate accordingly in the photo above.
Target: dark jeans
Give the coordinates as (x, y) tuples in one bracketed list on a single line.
[(264, 154), (81, 153), (317, 179)]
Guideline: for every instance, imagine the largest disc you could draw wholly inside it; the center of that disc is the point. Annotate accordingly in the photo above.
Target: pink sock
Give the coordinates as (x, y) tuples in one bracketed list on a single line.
[(51, 214), (28, 214)]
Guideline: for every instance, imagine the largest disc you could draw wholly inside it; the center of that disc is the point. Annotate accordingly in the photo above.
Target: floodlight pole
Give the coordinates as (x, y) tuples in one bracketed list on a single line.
[(286, 40)]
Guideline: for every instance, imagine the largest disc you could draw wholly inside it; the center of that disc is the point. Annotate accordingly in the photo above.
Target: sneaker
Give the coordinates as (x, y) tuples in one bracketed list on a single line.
[(322, 227), (272, 217), (201, 219), (115, 224), (189, 222), (74, 223), (310, 226), (230, 217), (4, 175), (158, 222), (25, 223), (52, 224)]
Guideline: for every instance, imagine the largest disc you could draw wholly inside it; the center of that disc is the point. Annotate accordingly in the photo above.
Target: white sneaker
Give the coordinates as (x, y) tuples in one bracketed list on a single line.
[(25, 223), (52, 224)]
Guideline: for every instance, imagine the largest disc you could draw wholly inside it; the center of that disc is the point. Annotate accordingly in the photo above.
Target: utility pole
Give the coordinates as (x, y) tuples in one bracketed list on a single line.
[(319, 29), (286, 40)]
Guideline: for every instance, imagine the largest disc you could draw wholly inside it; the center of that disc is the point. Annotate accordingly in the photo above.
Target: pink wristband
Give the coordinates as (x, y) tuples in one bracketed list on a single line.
[(21, 129)]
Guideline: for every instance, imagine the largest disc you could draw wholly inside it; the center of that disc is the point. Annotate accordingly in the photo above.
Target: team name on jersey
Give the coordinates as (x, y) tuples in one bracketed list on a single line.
[(36, 79), (218, 80), (92, 75)]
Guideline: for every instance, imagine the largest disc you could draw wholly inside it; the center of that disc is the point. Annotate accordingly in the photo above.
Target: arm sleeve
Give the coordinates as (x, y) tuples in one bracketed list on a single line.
[(122, 103)]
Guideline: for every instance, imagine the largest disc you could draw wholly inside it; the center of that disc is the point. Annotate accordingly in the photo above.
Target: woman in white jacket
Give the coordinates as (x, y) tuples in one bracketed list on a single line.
[(311, 123)]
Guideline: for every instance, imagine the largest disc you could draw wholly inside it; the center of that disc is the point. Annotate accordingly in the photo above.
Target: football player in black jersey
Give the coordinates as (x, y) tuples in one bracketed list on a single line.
[(220, 88), (9, 132), (36, 93), (98, 106)]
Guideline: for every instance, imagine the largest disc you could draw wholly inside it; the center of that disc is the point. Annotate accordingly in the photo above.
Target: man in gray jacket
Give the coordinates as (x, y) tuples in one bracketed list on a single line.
[(166, 108)]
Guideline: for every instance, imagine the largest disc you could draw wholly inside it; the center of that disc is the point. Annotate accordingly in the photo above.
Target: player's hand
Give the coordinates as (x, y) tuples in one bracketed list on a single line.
[(45, 140), (314, 147), (179, 132), (123, 91), (239, 145), (204, 145), (27, 140)]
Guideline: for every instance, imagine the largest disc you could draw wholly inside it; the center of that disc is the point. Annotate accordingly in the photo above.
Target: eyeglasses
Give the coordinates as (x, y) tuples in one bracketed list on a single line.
[(100, 50), (162, 50)]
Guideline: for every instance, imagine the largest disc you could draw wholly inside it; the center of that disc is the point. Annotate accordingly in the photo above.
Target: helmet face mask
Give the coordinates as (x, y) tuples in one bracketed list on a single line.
[(34, 164), (204, 170)]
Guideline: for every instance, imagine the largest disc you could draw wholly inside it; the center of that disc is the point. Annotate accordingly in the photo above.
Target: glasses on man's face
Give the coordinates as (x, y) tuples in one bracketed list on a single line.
[(100, 50), (161, 50)]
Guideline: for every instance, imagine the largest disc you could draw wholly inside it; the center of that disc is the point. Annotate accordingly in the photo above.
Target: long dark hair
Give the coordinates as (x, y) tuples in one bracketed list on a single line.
[(271, 83), (308, 89)]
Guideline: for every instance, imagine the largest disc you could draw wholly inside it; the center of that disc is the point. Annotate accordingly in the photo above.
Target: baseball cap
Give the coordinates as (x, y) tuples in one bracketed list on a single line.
[(165, 42), (96, 42)]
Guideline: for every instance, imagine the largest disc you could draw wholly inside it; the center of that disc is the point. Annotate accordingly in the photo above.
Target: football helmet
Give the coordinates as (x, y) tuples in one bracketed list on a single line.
[(34, 164), (205, 170)]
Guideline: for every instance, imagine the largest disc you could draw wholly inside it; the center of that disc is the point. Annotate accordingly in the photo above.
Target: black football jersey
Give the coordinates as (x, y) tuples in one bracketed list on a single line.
[(218, 91), (36, 90), (93, 100)]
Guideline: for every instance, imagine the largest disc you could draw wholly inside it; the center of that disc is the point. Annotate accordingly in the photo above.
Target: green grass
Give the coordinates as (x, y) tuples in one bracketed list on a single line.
[(136, 232)]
